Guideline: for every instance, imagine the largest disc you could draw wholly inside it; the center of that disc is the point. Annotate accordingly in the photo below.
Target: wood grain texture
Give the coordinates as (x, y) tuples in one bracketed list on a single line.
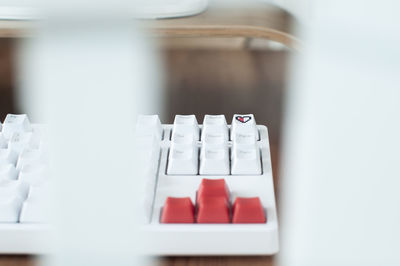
[(255, 21), (7, 77), (217, 261), (11, 260)]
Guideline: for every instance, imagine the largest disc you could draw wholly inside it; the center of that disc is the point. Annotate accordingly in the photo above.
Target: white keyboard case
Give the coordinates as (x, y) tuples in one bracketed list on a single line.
[(183, 239)]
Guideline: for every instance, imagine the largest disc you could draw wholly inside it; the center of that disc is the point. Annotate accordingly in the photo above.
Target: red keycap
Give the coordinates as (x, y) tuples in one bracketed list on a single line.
[(178, 210), (213, 210), (248, 210), (212, 188)]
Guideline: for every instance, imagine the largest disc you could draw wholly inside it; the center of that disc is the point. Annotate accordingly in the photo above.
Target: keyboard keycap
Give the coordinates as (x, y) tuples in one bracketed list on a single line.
[(34, 208), (19, 141), (248, 138), (245, 160), (34, 174), (16, 124), (214, 120), (149, 124), (12, 195), (210, 188), (244, 124), (182, 134), (215, 130), (214, 160), (8, 156), (32, 212), (214, 137), (8, 172), (11, 188), (188, 120), (213, 210), (186, 124), (149, 150), (183, 159), (248, 210), (10, 209), (30, 156), (178, 210)]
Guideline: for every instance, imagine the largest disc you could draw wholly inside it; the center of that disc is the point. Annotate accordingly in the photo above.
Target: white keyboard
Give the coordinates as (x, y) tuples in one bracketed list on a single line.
[(209, 188)]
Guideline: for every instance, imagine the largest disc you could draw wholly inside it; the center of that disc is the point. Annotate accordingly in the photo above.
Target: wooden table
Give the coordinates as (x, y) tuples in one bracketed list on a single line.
[(260, 21)]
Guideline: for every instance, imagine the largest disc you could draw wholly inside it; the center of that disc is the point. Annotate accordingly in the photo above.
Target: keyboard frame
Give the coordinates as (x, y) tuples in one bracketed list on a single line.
[(181, 239)]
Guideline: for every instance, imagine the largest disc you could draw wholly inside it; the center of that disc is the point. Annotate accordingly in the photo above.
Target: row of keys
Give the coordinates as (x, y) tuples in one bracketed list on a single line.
[(23, 171), (214, 160), (215, 130), (149, 125), (213, 206)]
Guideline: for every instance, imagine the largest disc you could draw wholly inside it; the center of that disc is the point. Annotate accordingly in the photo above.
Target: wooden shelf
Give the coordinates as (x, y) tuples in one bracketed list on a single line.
[(257, 21)]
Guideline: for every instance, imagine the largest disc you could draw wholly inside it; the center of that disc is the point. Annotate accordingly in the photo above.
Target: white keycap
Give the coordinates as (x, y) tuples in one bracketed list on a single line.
[(146, 141), (189, 120), (214, 160), (148, 149), (33, 212), (187, 123), (19, 141), (31, 156), (34, 174), (183, 134), (214, 120), (10, 188), (3, 142), (214, 137), (149, 123), (8, 156), (39, 192), (146, 165), (148, 154), (245, 137), (10, 209), (8, 172), (215, 130), (244, 124), (16, 123), (183, 160), (245, 160), (35, 208)]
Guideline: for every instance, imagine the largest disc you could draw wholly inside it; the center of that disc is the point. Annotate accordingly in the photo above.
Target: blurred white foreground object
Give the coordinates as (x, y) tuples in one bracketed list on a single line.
[(169, 8), (87, 77), (341, 160), (150, 9)]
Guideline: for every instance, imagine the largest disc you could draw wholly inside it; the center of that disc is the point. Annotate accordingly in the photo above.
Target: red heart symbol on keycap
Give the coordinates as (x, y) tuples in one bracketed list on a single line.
[(243, 119)]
